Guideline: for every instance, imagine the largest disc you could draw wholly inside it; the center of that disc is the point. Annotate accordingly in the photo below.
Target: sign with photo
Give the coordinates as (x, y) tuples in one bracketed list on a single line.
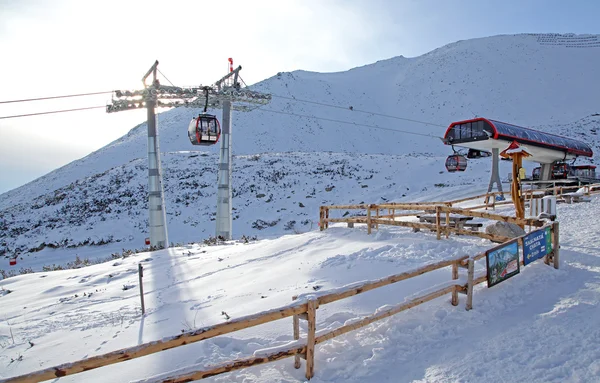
[(536, 245), (502, 263)]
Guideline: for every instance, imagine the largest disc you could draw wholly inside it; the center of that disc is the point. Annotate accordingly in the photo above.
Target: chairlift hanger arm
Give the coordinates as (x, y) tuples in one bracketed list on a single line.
[(206, 89)]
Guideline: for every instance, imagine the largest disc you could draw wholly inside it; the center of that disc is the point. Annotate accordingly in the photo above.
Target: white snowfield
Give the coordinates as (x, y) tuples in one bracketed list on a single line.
[(539, 326)]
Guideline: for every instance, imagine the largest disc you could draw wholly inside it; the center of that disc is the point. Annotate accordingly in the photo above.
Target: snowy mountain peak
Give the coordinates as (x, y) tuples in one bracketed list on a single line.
[(318, 127)]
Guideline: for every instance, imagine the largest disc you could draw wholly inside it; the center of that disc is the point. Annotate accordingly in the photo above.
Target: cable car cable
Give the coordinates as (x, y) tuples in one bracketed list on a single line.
[(350, 123), (54, 97), (358, 110), (54, 111), (354, 110), (274, 95)]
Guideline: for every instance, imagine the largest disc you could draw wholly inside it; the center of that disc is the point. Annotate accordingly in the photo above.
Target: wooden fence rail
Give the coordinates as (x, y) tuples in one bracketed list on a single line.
[(441, 226), (161, 345), (303, 307), (558, 189)]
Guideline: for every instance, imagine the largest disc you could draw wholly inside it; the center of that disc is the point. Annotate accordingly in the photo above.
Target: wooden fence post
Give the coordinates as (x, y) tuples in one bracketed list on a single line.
[(322, 218), (377, 223), (369, 219), (470, 275), (455, 277), (141, 275), (310, 338), (437, 222), (296, 324), (447, 224), (326, 218), (555, 244)]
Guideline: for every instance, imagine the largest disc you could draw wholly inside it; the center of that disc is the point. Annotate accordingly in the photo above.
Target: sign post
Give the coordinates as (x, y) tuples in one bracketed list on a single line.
[(141, 275)]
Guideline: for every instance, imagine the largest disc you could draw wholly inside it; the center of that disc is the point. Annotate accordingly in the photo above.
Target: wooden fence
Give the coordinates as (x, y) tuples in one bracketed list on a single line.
[(303, 307), (442, 225), (536, 190), (442, 209), (561, 186)]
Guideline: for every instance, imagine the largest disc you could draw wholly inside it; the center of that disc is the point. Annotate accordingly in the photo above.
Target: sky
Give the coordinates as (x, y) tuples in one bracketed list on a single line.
[(64, 47)]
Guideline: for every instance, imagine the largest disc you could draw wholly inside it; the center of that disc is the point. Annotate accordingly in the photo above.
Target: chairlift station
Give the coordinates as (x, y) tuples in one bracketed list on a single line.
[(485, 134)]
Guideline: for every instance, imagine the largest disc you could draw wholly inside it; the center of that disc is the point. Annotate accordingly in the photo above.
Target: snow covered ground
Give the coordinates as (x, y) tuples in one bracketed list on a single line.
[(540, 326)]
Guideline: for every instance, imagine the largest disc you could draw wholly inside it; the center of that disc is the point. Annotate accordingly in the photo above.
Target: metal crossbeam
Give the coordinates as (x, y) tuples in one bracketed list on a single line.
[(174, 97)]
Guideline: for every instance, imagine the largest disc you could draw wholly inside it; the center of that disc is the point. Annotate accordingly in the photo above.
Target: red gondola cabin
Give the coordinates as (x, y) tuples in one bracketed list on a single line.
[(204, 130), (455, 163)]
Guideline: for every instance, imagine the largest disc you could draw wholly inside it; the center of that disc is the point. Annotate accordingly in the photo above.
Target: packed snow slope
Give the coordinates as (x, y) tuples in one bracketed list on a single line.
[(292, 156), (539, 326)]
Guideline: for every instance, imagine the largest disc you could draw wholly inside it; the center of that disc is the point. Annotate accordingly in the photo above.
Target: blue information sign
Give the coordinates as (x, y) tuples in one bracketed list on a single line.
[(536, 245)]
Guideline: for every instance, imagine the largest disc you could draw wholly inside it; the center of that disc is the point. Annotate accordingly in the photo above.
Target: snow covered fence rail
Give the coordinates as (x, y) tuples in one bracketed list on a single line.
[(162, 345), (305, 347), (444, 222), (559, 187), (303, 306), (315, 300)]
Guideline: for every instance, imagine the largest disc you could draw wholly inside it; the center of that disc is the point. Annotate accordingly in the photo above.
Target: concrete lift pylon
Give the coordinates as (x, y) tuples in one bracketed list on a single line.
[(495, 177)]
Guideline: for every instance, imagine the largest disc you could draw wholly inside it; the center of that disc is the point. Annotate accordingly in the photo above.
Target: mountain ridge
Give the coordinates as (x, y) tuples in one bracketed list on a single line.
[(441, 110)]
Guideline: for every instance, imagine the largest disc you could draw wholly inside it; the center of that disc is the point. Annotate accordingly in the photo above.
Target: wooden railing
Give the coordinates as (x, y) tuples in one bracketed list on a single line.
[(303, 307), (442, 211), (560, 187)]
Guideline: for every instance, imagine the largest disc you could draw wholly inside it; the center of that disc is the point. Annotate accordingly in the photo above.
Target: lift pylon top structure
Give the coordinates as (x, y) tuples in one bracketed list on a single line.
[(226, 89), (226, 94)]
